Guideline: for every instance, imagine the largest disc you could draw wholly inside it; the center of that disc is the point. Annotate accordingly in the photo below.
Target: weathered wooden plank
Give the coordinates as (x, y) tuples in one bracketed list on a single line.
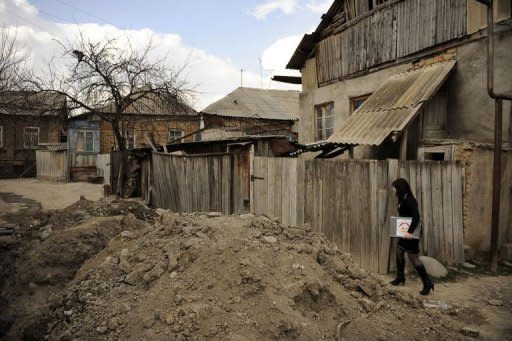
[(447, 212), (373, 245), (457, 200), (437, 211)]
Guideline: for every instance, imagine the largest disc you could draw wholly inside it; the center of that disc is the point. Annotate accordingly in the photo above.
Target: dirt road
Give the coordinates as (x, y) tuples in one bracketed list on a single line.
[(51, 195)]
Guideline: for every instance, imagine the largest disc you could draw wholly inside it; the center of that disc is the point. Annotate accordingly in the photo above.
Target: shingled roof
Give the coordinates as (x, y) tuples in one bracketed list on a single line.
[(257, 103)]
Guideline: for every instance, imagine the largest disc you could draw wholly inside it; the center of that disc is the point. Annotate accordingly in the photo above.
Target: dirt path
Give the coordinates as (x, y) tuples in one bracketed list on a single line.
[(484, 303), (51, 195)]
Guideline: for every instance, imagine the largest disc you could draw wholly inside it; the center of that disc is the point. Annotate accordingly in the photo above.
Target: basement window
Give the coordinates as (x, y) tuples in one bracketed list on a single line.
[(434, 156), (324, 126), (30, 137)]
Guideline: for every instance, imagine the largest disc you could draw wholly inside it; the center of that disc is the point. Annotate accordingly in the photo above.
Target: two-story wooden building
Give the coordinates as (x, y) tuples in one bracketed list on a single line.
[(424, 62), (408, 79)]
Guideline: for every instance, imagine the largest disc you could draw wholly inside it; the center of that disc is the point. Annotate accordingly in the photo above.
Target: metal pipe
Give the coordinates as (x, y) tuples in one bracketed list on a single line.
[(498, 129), (496, 183), (490, 55)]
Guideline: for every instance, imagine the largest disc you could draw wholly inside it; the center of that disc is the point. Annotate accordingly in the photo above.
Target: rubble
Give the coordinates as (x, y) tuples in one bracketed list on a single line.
[(143, 275)]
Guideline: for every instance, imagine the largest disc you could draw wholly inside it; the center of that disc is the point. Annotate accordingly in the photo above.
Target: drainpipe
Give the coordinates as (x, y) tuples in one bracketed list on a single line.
[(498, 128)]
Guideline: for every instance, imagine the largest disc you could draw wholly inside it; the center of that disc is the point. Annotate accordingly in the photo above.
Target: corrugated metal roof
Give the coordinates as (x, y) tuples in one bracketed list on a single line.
[(258, 103), (25, 103), (219, 134), (153, 104), (392, 106)]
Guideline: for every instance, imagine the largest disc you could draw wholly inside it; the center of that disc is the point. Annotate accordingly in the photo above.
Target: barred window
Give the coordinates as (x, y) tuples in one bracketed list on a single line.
[(30, 137)]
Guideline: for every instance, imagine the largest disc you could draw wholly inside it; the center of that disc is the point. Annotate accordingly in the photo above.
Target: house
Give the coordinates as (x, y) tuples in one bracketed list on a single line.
[(161, 121), (415, 68), (26, 121), (255, 112), (407, 79)]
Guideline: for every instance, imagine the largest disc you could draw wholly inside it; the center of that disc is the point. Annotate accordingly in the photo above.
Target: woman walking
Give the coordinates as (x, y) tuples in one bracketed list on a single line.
[(408, 207)]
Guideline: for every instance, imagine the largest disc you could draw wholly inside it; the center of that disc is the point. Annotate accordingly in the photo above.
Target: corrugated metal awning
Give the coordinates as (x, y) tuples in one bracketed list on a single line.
[(392, 106)]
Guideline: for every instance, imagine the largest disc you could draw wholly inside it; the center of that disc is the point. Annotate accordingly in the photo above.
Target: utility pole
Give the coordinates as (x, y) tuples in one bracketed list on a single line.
[(498, 139)]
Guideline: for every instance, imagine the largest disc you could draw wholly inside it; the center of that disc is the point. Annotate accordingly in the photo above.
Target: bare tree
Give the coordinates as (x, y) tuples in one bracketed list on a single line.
[(11, 60), (107, 80)]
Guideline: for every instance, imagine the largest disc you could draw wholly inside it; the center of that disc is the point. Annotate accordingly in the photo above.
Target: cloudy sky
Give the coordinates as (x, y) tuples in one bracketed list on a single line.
[(215, 38)]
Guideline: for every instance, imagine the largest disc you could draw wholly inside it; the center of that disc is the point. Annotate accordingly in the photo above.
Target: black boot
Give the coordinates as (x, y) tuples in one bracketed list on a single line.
[(400, 267), (427, 283)]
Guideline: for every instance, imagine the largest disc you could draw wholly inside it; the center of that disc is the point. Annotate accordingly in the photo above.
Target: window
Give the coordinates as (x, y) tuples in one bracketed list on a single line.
[(324, 121), (1, 136), (175, 135), (30, 137), (84, 141), (356, 102)]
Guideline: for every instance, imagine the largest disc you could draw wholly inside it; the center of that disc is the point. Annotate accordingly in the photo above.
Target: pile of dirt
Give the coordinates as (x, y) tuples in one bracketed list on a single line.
[(194, 277)]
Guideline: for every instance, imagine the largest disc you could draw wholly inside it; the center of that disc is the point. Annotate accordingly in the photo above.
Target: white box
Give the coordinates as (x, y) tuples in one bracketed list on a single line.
[(400, 225)]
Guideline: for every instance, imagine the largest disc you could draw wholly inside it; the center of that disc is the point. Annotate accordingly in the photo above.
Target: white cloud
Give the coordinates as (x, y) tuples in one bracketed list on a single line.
[(277, 55), (213, 77), (319, 6), (286, 6)]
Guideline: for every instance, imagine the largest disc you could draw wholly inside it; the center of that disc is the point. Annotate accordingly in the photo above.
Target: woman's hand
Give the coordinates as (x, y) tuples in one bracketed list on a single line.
[(408, 235)]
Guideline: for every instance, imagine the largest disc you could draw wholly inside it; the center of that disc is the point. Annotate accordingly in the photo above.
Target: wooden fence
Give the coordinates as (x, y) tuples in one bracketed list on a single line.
[(103, 167), (52, 165), (192, 184), (351, 203), (278, 189)]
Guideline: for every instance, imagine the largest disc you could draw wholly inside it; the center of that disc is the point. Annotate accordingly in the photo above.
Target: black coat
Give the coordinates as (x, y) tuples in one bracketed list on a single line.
[(408, 207)]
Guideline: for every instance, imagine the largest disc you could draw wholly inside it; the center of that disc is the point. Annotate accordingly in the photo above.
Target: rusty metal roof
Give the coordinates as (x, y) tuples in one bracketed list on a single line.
[(257, 103), (392, 106)]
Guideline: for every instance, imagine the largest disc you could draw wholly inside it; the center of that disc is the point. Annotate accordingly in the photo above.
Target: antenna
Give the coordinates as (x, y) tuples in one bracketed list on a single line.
[(242, 78), (261, 73)]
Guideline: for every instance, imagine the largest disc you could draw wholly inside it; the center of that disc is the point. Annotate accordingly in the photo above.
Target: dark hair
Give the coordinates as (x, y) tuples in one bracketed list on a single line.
[(402, 188)]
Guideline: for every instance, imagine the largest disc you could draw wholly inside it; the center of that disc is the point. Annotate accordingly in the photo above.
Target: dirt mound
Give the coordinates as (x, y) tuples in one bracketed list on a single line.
[(44, 265), (226, 278)]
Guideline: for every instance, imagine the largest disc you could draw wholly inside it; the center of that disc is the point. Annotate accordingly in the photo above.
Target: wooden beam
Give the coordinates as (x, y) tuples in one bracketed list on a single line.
[(403, 146)]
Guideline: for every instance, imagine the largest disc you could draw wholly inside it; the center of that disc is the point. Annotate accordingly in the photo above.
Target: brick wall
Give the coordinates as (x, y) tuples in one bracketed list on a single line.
[(157, 126), (444, 56)]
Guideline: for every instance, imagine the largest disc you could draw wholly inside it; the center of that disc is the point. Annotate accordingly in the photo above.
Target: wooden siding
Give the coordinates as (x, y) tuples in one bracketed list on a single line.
[(52, 165), (390, 33)]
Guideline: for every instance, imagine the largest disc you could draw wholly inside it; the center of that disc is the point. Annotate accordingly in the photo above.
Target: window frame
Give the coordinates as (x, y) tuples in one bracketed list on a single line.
[(354, 99), (25, 140), (182, 134), (324, 121), (1, 136), (85, 132)]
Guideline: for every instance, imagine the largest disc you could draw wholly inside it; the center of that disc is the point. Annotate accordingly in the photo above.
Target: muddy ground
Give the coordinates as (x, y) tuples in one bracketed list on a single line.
[(112, 269)]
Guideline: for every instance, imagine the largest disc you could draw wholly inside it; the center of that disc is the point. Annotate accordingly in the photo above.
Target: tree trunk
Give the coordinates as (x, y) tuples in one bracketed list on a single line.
[(123, 176)]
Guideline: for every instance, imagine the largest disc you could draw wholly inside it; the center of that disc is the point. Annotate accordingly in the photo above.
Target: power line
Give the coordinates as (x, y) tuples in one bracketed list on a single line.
[(84, 11)]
